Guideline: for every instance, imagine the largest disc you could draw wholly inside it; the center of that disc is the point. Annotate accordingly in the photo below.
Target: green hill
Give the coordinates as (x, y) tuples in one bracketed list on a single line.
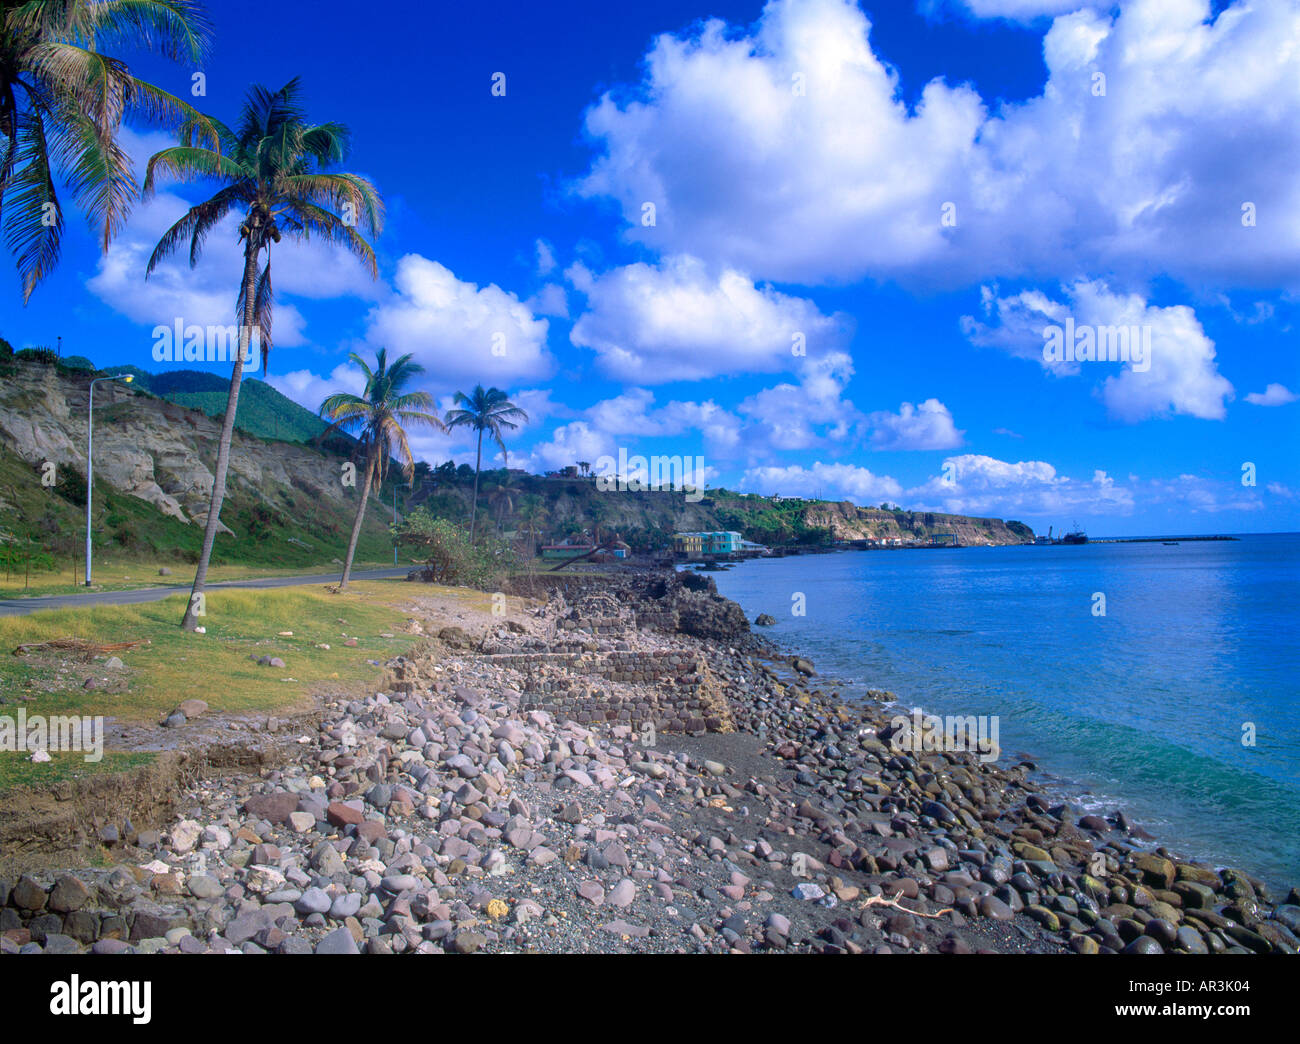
[(262, 410)]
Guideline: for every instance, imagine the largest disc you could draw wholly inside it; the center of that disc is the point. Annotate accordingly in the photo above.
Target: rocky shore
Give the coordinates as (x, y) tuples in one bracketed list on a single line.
[(624, 767)]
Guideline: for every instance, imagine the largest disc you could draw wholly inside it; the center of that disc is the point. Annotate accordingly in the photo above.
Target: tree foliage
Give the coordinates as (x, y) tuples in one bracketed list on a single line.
[(449, 556)]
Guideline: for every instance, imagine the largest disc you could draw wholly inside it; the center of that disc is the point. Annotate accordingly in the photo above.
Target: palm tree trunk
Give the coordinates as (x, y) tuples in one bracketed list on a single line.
[(473, 507), (356, 522), (190, 620)]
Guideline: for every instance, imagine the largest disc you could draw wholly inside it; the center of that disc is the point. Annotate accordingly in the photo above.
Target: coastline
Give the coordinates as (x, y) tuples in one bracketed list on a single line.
[(504, 793), (1133, 713)]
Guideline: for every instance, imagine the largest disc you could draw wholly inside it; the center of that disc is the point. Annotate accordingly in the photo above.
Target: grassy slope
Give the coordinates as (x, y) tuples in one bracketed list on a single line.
[(262, 410)]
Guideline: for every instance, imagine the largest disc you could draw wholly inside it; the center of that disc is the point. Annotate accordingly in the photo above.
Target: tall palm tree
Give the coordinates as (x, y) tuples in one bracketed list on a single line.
[(487, 411), (379, 414), (272, 169), (62, 103)]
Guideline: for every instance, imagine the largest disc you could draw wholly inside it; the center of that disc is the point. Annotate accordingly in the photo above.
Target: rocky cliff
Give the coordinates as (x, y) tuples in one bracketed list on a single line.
[(286, 503), (150, 448), (847, 521)]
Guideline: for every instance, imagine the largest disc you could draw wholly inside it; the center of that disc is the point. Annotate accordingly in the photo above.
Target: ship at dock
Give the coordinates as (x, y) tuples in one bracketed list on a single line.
[(1075, 536)]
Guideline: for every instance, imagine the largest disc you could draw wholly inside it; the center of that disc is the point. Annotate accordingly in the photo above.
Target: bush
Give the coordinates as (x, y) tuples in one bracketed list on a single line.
[(71, 485), (450, 558), (43, 354)]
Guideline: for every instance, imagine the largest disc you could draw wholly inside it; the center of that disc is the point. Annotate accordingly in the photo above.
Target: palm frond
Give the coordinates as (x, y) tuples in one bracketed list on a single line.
[(178, 30), (33, 218), (314, 219), (188, 162), (194, 226)]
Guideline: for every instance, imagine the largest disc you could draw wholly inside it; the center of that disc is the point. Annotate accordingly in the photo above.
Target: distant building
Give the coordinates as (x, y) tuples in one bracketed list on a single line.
[(717, 542), (566, 550), (688, 543)]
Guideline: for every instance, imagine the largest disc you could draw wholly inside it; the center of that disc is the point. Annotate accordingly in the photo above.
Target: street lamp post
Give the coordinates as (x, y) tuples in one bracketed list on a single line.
[(90, 443)]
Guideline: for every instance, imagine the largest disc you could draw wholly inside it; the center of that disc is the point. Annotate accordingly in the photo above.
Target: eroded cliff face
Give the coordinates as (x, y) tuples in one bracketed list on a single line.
[(847, 521), (148, 447)]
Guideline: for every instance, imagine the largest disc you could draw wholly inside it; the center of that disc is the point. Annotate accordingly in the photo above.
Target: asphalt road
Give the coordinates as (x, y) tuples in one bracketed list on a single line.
[(20, 606)]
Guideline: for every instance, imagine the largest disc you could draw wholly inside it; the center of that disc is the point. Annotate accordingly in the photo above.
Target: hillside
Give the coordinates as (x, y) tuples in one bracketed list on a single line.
[(564, 507), (262, 410), (286, 504)]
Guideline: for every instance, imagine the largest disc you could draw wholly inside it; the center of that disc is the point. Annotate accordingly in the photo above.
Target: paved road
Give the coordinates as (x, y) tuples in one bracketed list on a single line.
[(19, 606)]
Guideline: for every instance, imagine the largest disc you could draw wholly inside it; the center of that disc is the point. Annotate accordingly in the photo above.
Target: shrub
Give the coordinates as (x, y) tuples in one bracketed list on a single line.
[(41, 354), (71, 485), (450, 558)]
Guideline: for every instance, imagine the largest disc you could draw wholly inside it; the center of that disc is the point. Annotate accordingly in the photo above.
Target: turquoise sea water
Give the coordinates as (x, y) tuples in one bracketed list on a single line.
[(1142, 709)]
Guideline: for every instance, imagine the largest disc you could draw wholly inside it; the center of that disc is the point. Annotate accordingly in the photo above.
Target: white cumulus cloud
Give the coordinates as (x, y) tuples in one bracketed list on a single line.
[(458, 330), (680, 321), (975, 484), (827, 481), (1274, 395), (787, 151), (1180, 376), (927, 426)]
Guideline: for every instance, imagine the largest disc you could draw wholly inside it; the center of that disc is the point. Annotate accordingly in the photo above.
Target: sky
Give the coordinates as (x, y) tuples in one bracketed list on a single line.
[(824, 247)]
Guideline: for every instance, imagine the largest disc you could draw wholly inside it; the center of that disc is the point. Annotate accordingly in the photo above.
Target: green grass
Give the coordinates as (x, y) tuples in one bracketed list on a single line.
[(215, 667), (17, 771), (132, 574), (262, 410)]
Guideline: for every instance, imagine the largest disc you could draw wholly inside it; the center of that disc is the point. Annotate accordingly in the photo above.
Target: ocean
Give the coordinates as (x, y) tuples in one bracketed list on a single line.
[(1180, 705)]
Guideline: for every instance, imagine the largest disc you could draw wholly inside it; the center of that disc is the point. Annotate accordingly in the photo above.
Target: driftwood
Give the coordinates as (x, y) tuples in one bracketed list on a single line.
[(880, 900), (78, 646)]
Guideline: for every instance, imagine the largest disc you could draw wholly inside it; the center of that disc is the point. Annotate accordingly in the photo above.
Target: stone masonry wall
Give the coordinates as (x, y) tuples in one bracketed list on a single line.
[(670, 689)]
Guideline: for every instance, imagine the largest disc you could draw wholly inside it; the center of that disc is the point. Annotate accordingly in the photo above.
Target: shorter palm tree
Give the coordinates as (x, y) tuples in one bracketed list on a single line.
[(533, 513), (489, 411), (503, 498), (380, 415)]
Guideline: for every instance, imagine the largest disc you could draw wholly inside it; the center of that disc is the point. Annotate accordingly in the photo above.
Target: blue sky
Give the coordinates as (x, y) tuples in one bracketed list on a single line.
[(915, 191)]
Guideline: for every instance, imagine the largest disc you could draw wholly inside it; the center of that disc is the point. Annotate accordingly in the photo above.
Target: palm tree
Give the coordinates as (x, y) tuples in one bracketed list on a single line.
[(62, 103), (379, 414), (533, 513), (485, 411), (503, 497), (272, 170)]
